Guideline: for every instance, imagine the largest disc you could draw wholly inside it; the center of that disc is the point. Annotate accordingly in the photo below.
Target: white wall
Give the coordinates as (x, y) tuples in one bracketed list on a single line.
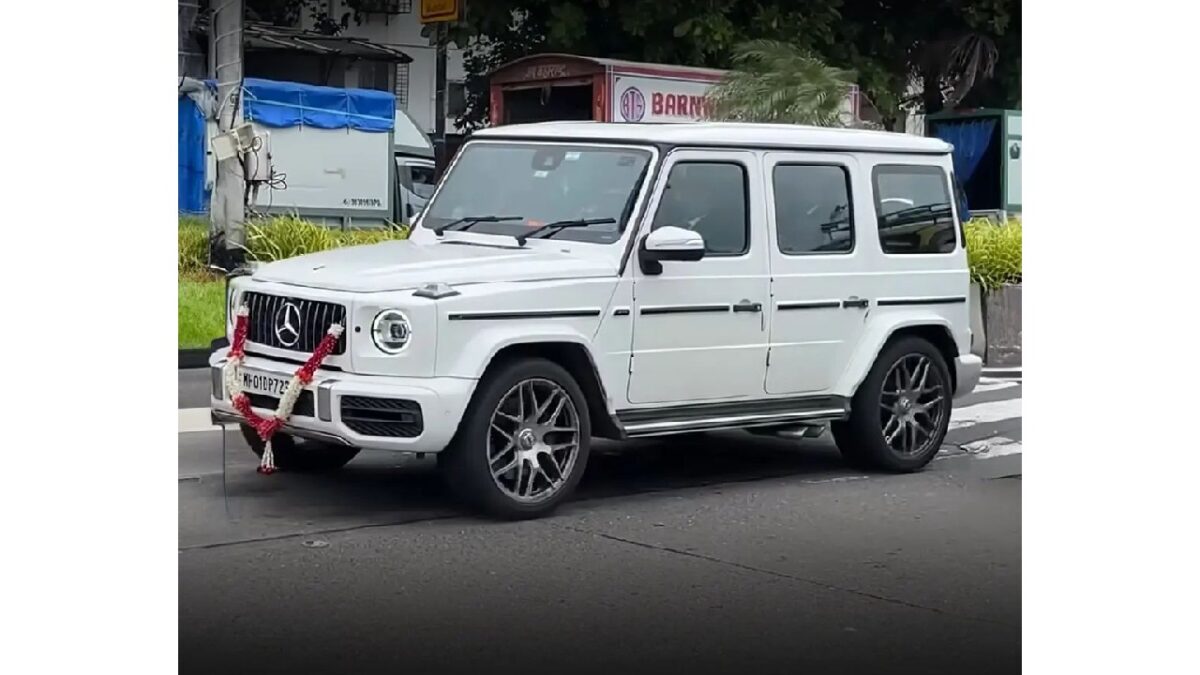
[(403, 31)]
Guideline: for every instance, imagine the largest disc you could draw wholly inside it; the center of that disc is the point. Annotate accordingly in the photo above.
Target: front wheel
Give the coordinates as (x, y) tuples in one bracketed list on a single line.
[(294, 454), (901, 412), (523, 443)]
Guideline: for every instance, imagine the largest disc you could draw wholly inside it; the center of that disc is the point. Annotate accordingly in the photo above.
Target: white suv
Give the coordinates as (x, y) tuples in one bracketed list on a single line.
[(578, 279)]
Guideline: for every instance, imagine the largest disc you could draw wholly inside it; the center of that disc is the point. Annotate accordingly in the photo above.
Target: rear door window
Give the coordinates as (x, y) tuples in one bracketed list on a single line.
[(812, 209)]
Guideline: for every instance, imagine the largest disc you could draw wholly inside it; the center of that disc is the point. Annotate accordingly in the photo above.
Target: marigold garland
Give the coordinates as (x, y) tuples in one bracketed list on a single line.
[(263, 426)]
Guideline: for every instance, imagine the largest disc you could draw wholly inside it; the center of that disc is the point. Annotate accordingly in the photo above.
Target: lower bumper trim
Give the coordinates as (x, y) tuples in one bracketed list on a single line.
[(222, 417)]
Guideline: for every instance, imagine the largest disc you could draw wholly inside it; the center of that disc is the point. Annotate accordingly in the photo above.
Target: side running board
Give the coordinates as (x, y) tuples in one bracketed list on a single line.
[(638, 422)]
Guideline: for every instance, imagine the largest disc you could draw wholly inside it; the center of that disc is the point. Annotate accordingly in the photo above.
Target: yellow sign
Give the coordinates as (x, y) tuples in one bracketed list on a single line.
[(434, 11)]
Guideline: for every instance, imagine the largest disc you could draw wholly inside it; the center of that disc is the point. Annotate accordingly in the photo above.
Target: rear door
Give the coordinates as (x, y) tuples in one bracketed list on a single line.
[(819, 283)]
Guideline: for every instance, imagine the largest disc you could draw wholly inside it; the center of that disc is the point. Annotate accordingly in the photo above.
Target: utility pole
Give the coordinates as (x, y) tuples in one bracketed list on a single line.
[(227, 209), (439, 102)]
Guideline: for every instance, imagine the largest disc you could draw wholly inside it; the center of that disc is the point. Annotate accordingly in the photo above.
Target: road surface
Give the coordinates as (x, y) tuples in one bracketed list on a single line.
[(731, 554)]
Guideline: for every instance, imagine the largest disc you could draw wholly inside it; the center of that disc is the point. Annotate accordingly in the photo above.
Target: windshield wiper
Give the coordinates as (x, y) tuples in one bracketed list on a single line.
[(560, 225), (471, 221)]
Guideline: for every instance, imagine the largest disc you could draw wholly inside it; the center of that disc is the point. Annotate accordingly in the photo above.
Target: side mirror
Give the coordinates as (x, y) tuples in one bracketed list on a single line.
[(669, 243)]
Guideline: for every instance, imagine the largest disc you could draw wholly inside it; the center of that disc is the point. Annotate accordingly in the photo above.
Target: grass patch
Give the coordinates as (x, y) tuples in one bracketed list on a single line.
[(201, 311), (202, 294)]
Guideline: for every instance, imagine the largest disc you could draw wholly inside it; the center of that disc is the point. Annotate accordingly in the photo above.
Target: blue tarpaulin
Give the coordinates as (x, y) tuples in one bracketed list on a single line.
[(970, 140), (290, 104), (193, 198)]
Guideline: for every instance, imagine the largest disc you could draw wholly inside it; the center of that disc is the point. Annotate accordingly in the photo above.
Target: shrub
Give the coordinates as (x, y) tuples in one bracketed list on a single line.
[(994, 252), (193, 245), (273, 238), (280, 237)]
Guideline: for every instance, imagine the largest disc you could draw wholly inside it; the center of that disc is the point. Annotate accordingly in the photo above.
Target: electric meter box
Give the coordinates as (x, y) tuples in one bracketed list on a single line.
[(987, 155), (258, 158)]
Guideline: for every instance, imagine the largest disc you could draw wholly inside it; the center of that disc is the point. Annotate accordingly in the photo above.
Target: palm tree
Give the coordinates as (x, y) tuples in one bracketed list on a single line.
[(947, 69), (778, 82)]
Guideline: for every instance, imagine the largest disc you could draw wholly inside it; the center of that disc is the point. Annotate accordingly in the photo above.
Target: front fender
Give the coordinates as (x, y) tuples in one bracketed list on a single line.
[(466, 351), (879, 330)]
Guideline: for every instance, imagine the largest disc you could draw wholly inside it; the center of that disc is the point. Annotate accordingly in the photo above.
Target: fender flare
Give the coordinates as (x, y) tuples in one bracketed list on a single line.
[(485, 345), (877, 334)]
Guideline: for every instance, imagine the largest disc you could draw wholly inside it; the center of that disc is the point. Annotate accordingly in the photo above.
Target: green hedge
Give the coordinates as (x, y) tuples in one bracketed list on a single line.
[(273, 238), (281, 237), (994, 252), (993, 249), (193, 245)]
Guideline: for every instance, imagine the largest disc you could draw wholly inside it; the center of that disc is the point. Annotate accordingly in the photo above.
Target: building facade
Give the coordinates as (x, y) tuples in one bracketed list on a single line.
[(379, 47), (397, 24)]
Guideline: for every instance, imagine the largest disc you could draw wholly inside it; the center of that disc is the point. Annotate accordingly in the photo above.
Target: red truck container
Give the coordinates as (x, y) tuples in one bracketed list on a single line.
[(548, 87)]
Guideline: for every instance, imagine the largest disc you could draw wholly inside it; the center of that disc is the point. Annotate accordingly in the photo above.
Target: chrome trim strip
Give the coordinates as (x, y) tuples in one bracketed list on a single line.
[(218, 382), (729, 422), (325, 400), (222, 417)]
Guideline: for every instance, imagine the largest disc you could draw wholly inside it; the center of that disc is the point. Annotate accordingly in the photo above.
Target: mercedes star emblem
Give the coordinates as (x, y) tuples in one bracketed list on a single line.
[(287, 324)]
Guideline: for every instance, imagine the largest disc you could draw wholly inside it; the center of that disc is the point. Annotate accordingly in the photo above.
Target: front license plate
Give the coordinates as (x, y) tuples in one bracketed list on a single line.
[(262, 383)]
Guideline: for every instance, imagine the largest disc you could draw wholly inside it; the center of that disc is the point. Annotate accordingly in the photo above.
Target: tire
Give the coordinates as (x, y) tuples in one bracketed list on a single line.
[(530, 479), (300, 455), (916, 418)]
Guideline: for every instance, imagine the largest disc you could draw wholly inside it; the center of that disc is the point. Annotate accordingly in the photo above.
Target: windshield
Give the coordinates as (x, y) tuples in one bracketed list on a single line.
[(542, 183)]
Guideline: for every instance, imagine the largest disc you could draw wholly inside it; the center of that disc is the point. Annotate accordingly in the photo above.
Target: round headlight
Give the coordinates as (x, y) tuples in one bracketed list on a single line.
[(390, 331)]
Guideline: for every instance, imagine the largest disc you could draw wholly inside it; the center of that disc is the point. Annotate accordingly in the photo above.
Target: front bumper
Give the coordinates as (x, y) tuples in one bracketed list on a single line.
[(442, 401), (967, 368)]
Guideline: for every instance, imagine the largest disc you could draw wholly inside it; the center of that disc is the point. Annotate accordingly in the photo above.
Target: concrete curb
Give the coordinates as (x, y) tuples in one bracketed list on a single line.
[(198, 358), (193, 358), (1003, 372)]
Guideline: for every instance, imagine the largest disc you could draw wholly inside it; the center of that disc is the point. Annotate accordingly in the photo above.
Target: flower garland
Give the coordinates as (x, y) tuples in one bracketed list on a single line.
[(266, 427)]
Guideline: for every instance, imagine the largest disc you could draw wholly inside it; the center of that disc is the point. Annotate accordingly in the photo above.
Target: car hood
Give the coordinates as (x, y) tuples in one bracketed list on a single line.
[(398, 265)]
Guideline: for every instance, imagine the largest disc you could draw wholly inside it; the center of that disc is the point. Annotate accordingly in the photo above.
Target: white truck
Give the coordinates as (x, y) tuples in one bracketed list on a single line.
[(342, 157)]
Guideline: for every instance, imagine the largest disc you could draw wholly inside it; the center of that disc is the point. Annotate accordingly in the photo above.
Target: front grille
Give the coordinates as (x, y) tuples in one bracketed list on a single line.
[(266, 312), (393, 417), (304, 404)]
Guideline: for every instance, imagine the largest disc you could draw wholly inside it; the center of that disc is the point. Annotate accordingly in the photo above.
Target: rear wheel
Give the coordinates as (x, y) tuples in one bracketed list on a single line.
[(297, 454), (523, 443), (900, 413)]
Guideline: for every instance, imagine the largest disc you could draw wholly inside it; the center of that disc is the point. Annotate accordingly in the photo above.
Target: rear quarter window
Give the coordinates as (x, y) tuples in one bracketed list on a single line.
[(913, 209)]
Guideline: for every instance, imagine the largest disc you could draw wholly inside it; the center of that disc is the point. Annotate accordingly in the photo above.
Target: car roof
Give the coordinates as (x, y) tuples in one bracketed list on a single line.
[(724, 134)]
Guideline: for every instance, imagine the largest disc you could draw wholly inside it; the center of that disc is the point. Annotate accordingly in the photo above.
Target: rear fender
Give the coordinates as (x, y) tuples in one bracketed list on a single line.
[(876, 337)]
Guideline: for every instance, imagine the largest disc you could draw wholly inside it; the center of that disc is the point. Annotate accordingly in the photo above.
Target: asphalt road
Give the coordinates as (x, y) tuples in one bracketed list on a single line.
[(730, 554)]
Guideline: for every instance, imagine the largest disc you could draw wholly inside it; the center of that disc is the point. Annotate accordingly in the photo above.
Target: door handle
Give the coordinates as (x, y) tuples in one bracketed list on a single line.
[(747, 306), (861, 303)]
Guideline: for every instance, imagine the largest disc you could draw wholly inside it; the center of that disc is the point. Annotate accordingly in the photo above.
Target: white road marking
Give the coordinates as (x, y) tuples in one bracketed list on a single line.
[(987, 384), (996, 446), (983, 413), (195, 419)]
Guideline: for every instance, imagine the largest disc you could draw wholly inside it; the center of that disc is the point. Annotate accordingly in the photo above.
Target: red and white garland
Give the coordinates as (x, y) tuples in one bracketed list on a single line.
[(266, 427)]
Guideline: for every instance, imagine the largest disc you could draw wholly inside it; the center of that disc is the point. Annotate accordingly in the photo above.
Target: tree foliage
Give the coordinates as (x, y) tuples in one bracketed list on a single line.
[(777, 82), (682, 32), (907, 55)]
